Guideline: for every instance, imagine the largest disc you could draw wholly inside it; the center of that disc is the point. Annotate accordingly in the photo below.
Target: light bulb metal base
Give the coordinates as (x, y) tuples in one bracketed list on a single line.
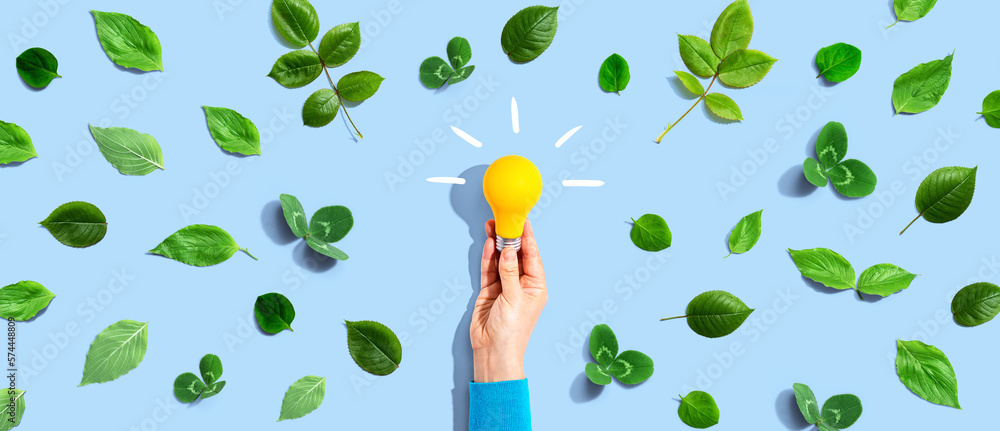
[(508, 242)]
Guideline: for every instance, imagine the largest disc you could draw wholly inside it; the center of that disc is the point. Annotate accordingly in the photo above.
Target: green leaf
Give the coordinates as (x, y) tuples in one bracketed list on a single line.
[(824, 266), (37, 67), (650, 233), (927, 372), (302, 397), (374, 347), (18, 400), (631, 367), (815, 172), (459, 52), (597, 374), (806, 400), (461, 74), (733, 29), (77, 224), (320, 108), (296, 69), (188, 387), (274, 313), (974, 305), (326, 249), (691, 83), (698, 410), (745, 234), (23, 300), (838, 62), (213, 389), (614, 74), (340, 44), (199, 245), (745, 67), (232, 131), (127, 42), (698, 56), (295, 215), (884, 279), (210, 368), (118, 349), (331, 224), (529, 33), (715, 314), (831, 144), (15, 144), (922, 87), (358, 86), (991, 109), (603, 345), (911, 10), (296, 21), (723, 106), (841, 411), (945, 194), (129, 151), (434, 72), (853, 178)]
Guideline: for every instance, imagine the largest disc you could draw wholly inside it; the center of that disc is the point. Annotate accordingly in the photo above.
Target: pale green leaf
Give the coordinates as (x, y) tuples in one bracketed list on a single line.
[(922, 87), (302, 397), (129, 151), (698, 56), (23, 300), (927, 372), (199, 245), (232, 131), (745, 67), (746, 233), (127, 42), (15, 144), (733, 29), (723, 106), (824, 266), (884, 279), (691, 83), (118, 349)]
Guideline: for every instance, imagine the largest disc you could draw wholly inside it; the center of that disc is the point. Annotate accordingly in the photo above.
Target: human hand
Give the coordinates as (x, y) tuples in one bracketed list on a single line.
[(510, 301)]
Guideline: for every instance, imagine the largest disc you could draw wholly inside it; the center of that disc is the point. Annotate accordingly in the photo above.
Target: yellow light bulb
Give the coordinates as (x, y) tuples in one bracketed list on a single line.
[(512, 186)]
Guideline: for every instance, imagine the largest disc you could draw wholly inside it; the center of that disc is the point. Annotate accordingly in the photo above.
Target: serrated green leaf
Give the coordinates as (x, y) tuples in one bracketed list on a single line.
[(927, 372), (302, 397), (331, 224), (358, 86), (461, 74), (991, 109), (23, 300), (274, 313), (188, 387), (127, 42), (852, 178), (77, 224), (210, 368), (884, 279), (691, 83), (597, 374), (841, 411), (745, 67), (529, 33), (129, 151), (831, 144), (650, 233), (911, 10), (975, 304), (922, 87), (320, 108), (807, 403), (614, 74), (698, 410), (698, 56), (295, 215), (945, 194), (459, 52), (723, 106), (199, 245), (631, 367), (733, 29), (340, 44), (37, 67), (374, 347), (603, 345), (15, 144), (326, 249), (815, 172), (296, 21), (296, 69), (824, 266), (715, 314), (434, 72), (232, 131), (118, 349), (746, 233), (838, 62)]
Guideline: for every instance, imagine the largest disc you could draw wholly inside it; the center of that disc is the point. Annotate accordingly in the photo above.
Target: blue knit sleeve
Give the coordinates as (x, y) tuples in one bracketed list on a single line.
[(500, 406)]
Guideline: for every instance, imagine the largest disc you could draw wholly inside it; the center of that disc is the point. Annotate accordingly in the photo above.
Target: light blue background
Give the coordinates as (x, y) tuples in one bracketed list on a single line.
[(412, 238)]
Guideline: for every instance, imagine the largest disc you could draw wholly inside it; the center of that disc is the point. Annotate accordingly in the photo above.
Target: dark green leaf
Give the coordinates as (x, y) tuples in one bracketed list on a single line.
[(213, 389), (945, 194), (631, 367), (23, 300), (188, 387), (853, 178), (296, 69), (975, 304), (597, 374), (37, 67), (690, 83), (199, 245), (698, 410), (614, 74), (325, 249), (603, 345), (815, 172), (698, 56), (745, 67), (733, 29), (302, 397), (884, 279), (650, 233), (806, 400), (927, 372), (320, 108), (118, 349), (529, 33), (824, 266), (340, 44), (296, 21), (210, 368), (127, 42), (723, 106), (831, 144), (77, 224), (716, 313), (459, 52), (911, 10), (232, 131), (922, 87), (745, 234), (991, 109), (461, 74), (274, 313), (374, 347), (129, 151), (331, 224), (838, 62), (434, 72), (358, 86), (15, 144), (295, 216), (841, 411)]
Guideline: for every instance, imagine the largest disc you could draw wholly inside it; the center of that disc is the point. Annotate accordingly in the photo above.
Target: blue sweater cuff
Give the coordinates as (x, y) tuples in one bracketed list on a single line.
[(500, 406)]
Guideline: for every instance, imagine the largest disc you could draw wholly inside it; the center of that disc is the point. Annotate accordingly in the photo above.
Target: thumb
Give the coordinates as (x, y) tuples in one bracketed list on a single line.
[(509, 274)]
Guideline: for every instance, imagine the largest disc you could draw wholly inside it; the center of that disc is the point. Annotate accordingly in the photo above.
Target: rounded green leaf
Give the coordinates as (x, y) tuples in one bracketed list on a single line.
[(723, 106), (459, 52), (15, 144), (358, 86), (746, 233), (198, 245), (698, 56), (320, 108), (296, 21), (631, 367), (37, 67), (331, 224), (210, 368), (911, 10), (340, 44), (716, 313), (852, 178), (129, 151), (744, 68), (77, 224), (831, 144), (922, 87), (326, 249), (807, 403), (603, 345), (127, 42), (232, 131), (597, 374), (841, 411), (296, 69), (824, 266), (974, 305), (434, 72), (698, 410), (23, 300), (461, 74), (838, 62), (529, 33), (650, 233), (691, 83), (991, 109), (188, 387), (946, 193), (374, 347), (614, 74), (302, 397), (213, 389), (118, 349), (295, 216), (927, 372), (733, 29), (274, 313), (815, 172), (884, 279)]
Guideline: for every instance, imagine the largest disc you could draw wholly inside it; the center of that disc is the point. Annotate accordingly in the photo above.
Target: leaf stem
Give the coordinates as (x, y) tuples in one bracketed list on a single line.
[(248, 253), (696, 102), (730, 254), (336, 91), (859, 294), (894, 23), (911, 223), (672, 318)]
